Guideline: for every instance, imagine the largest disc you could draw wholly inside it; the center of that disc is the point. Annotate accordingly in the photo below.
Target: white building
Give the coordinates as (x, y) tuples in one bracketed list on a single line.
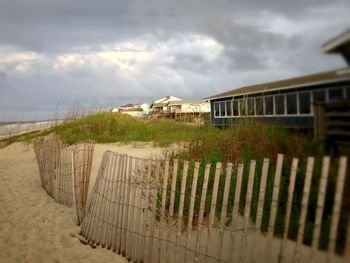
[(189, 106)]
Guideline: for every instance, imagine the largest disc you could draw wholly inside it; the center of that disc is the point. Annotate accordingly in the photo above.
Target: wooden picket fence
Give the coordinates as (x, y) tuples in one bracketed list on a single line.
[(65, 171), (169, 211)]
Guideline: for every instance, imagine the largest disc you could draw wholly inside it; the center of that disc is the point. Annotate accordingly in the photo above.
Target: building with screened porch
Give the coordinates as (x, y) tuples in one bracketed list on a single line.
[(289, 102)]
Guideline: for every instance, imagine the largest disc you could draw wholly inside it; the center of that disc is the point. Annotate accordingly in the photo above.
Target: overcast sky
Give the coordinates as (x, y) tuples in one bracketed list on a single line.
[(119, 52)]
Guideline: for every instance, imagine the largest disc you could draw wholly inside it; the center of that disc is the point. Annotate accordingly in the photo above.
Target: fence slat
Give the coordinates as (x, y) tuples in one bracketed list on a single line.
[(87, 223), (181, 209), (336, 207), (274, 204), (191, 209), (97, 223), (213, 204), (220, 251), (171, 208), (304, 206), (293, 173), (319, 210), (132, 227), (109, 206), (201, 210), (154, 211), (235, 209), (259, 213), (139, 209), (163, 228), (248, 203)]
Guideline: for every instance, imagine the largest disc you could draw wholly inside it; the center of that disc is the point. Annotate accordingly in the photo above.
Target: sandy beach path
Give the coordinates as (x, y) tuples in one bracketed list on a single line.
[(32, 227)]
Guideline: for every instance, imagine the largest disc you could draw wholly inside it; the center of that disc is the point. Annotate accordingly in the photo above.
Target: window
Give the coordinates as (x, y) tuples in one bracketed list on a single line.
[(335, 94), (216, 109), (259, 106), (222, 108), (228, 108), (279, 104), (268, 105), (319, 96), (292, 104), (304, 103), (235, 108), (250, 106)]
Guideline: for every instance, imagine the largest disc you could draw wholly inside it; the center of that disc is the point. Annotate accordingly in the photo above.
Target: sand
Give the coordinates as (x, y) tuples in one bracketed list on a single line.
[(33, 228)]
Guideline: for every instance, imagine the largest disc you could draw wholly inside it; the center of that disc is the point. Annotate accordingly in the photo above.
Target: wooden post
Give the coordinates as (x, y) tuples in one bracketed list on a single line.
[(304, 206), (293, 173), (319, 209), (191, 209), (235, 209), (248, 203), (181, 208), (260, 208), (201, 209), (337, 206), (129, 207), (274, 204), (223, 218)]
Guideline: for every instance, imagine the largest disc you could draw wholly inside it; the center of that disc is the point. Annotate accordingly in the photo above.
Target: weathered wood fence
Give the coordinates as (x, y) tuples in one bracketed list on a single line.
[(65, 171), (172, 211)]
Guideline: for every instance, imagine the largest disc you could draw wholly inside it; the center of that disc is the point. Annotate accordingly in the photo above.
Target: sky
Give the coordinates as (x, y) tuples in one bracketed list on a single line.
[(56, 53)]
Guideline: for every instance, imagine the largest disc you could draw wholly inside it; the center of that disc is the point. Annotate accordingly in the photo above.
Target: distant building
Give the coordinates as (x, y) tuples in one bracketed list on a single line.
[(160, 105), (287, 102), (188, 107), (135, 110)]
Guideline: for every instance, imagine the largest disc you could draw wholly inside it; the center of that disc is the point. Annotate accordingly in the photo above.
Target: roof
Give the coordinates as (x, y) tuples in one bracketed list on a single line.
[(299, 82), (337, 43)]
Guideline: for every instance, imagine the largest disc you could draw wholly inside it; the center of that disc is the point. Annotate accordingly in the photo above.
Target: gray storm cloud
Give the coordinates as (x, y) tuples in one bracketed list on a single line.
[(135, 51)]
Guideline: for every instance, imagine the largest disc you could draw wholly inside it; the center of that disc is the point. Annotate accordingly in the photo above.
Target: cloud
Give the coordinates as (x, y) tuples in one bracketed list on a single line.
[(135, 51)]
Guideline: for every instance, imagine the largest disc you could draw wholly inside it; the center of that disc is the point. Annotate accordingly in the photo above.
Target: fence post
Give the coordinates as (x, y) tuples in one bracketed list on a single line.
[(293, 173), (163, 233), (337, 206), (201, 210), (171, 208), (224, 210), (319, 209), (181, 208), (248, 203), (191, 209), (260, 208), (213, 204), (274, 204), (154, 210), (235, 209), (304, 206)]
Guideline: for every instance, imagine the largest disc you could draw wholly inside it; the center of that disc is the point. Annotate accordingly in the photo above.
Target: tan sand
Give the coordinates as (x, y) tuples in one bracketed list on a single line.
[(33, 228)]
